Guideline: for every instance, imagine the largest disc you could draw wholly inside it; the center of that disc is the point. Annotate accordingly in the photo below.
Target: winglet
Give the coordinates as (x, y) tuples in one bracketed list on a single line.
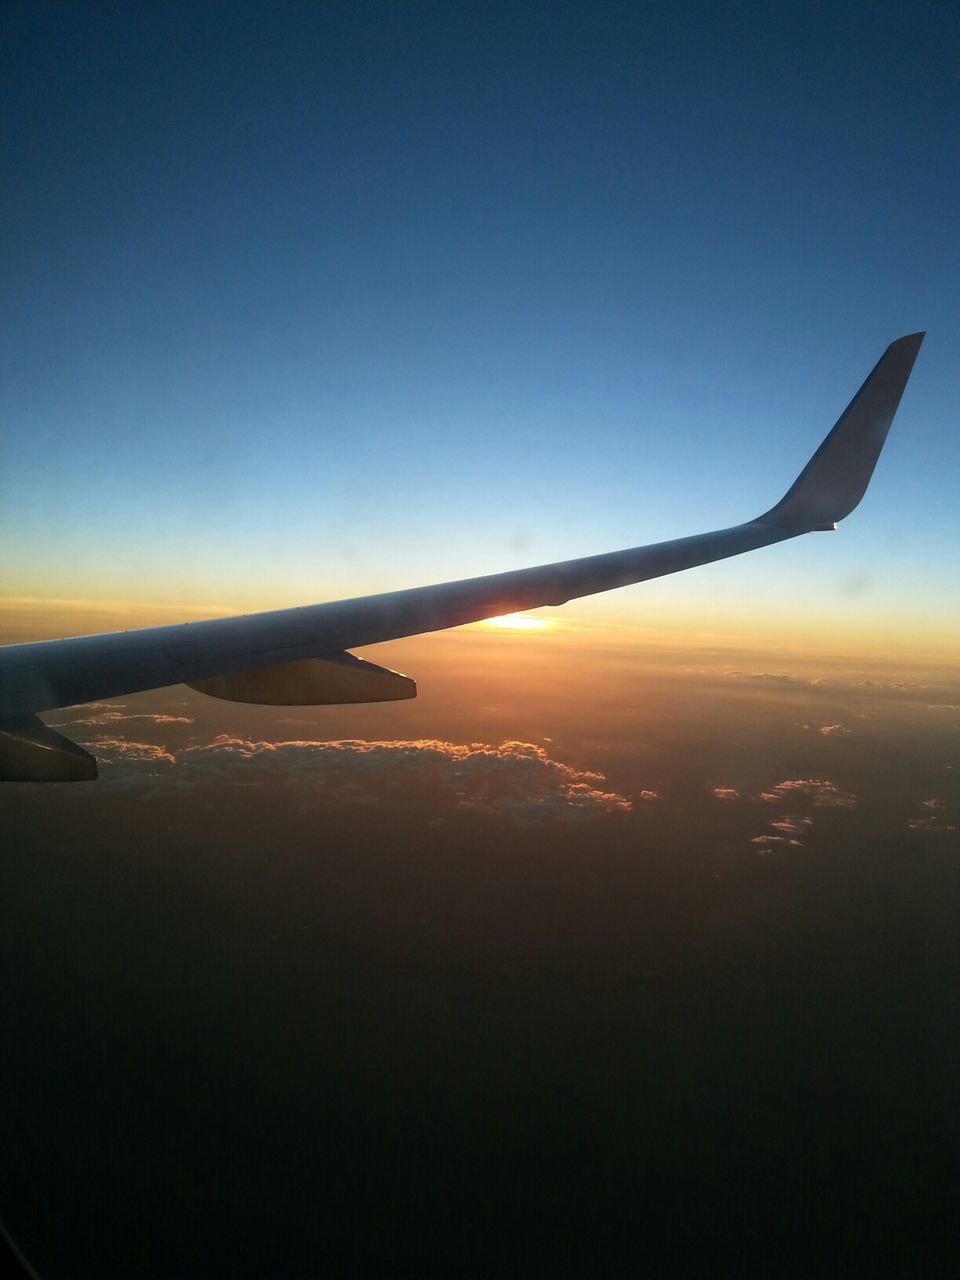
[(836, 477)]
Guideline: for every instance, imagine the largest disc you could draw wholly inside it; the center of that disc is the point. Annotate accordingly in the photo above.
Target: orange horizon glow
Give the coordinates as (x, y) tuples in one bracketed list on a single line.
[(648, 625)]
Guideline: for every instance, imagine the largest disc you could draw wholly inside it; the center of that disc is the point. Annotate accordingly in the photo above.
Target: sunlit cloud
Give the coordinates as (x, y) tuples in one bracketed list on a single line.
[(87, 707), (113, 718), (792, 824), (834, 730), (838, 682), (779, 676), (931, 819), (111, 752), (787, 829), (822, 793), (726, 793), (515, 779), (892, 684)]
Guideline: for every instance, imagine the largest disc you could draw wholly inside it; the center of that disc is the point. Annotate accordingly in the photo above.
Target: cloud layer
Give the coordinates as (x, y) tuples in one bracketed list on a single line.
[(516, 779)]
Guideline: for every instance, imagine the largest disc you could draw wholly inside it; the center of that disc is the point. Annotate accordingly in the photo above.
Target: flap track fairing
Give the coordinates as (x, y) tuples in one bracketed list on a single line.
[(311, 682)]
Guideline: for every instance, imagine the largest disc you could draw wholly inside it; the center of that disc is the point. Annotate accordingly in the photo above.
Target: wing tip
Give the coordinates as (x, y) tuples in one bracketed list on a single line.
[(908, 342), (835, 479)]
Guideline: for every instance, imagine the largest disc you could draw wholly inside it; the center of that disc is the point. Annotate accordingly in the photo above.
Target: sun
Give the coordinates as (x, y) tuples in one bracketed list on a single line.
[(518, 622)]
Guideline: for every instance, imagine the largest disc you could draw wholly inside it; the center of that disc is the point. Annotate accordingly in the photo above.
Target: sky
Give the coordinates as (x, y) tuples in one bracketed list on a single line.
[(310, 301)]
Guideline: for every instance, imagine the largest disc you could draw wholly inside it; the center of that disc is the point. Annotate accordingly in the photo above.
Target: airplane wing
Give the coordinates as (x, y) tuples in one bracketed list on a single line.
[(300, 656)]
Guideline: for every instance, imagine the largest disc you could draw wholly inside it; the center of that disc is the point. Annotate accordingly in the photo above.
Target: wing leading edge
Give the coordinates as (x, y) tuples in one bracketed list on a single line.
[(58, 673)]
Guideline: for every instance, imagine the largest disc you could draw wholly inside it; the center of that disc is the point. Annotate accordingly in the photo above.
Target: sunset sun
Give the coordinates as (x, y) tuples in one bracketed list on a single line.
[(518, 622)]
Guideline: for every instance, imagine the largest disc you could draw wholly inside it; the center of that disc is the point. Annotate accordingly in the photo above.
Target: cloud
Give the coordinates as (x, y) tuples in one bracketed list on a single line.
[(932, 817), (649, 795), (96, 706), (726, 793), (792, 824), (159, 718), (779, 676), (514, 779), (114, 718), (931, 823), (820, 682), (892, 684), (767, 842), (822, 793), (834, 730), (788, 828), (118, 751)]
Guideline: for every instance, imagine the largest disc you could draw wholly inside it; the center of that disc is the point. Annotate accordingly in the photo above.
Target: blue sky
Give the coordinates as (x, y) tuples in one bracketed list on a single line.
[(311, 300)]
